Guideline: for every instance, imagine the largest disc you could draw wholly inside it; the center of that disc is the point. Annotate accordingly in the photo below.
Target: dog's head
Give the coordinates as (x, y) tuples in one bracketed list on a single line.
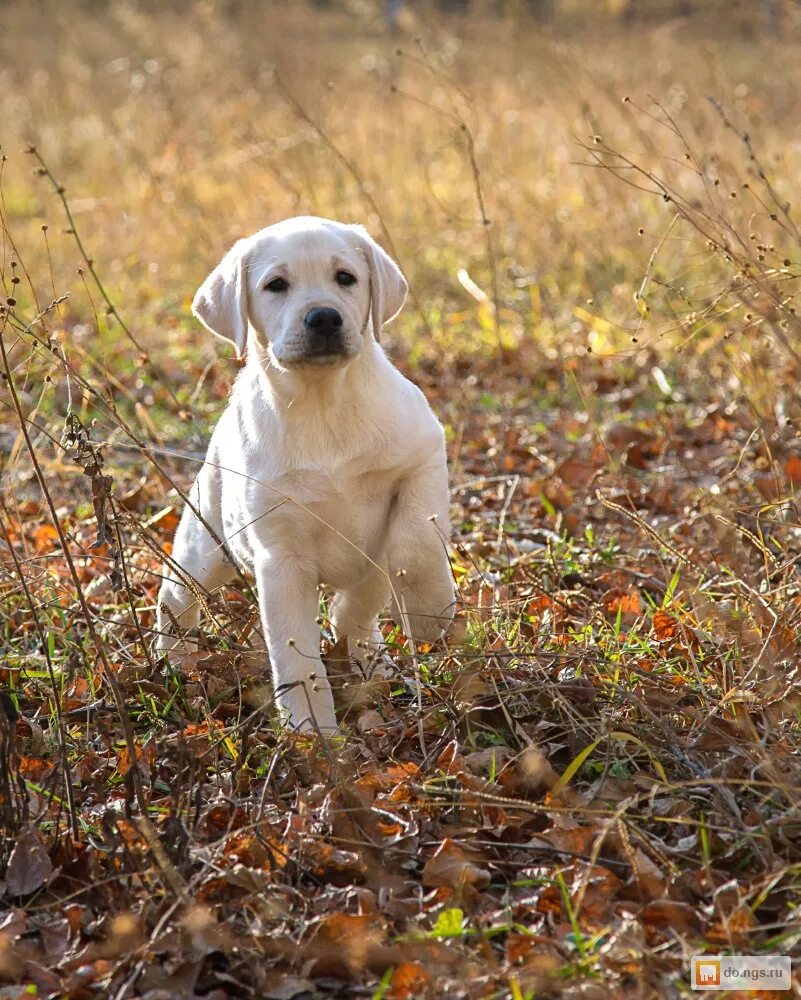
[(309, 290)]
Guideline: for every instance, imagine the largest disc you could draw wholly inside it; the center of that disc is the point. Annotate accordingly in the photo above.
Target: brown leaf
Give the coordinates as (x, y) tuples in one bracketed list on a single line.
[(527, 773), (394, 775), (678, 916), (344, 941), (518, 946), (55, 939), (335, 865), (571, 840), (337, 659), (369, 720), (734, 928), (29, 865), (138, 498), (453, 866), (623, 435), (649, 876), (198, 737), (768, 486), (285, 987), (576, 473)]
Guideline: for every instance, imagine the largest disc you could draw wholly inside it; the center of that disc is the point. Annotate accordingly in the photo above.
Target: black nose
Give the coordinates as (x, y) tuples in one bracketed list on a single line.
[(325, 326)]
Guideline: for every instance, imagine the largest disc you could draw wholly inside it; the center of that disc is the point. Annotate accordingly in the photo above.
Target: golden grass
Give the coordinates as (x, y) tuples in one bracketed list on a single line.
[(177, 131)]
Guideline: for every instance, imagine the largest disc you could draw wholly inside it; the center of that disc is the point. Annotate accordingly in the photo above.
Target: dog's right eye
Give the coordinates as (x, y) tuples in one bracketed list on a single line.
[(277, 285)]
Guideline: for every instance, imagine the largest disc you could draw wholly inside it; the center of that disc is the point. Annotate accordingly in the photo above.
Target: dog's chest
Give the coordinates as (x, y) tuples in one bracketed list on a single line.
[(335, 518)]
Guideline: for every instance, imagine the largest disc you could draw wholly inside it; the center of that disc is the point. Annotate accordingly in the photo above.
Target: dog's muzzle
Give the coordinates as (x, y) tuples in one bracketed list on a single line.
[(324, 333)]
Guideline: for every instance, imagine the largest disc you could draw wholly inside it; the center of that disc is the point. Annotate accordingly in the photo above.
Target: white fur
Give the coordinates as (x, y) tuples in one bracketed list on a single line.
[(320, 471)]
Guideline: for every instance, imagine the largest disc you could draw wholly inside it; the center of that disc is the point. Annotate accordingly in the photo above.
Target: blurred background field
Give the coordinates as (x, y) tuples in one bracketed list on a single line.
[(176, 128), (596, 776)]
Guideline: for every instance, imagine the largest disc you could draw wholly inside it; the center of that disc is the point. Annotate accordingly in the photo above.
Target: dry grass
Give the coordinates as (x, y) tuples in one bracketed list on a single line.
[(597, 776)]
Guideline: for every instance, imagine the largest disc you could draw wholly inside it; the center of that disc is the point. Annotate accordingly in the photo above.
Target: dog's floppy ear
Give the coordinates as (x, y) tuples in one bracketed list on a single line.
[(221, 302), (388, 287)]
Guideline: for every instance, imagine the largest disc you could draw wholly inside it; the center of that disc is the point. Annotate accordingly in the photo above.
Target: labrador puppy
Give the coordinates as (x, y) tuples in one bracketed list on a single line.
[(326, 468)]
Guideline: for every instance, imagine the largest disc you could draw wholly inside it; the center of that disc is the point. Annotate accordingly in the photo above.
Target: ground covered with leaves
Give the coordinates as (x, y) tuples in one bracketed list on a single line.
[(595, 776), (596, 779)]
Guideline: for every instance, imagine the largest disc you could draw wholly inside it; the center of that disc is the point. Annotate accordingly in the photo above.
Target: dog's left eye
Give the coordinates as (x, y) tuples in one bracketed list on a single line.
[(345, 278)]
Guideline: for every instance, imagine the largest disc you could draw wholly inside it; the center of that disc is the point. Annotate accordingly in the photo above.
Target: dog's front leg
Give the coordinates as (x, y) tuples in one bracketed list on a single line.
[(423, 595), (289, 606), (200, 566)]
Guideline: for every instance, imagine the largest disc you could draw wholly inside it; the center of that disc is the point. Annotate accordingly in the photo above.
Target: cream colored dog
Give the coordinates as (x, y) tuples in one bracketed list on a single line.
[(326, 468)]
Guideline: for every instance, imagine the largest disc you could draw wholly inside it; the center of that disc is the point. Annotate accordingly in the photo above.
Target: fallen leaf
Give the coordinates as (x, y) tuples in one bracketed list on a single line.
[(409, 979), (287, 987), (44, 537), (29, 866), (453, 866), (348, 937), (733, 929), (369, 720), (34, 768), (145, 757), (671, 913), (576, 472), (792, 468), (625, 603), (665, 626)]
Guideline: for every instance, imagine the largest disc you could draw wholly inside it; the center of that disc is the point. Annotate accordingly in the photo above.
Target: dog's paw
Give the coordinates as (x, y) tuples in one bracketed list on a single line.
[(308, 708), (426, 628)]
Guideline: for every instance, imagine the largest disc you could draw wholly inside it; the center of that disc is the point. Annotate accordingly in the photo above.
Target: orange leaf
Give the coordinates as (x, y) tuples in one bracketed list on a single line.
[(400, 793), (198, 736), (408, 980), (247, 848), (665, 626), (735, 928), (518, 946), (349, 929), (550, 901), (792, 468), (44, 537), (389, 829), (130, 834), (397, 772), (145, 756), (166, 521), (625, 603), (538, 604), (34, 767)]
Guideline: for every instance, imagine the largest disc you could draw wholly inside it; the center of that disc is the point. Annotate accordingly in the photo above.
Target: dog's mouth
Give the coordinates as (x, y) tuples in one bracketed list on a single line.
[(316, 353), (314, 360), (329, 359)]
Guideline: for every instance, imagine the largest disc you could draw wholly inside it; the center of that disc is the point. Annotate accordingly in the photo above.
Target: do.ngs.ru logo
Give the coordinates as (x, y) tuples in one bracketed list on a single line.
[(726, 972)]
